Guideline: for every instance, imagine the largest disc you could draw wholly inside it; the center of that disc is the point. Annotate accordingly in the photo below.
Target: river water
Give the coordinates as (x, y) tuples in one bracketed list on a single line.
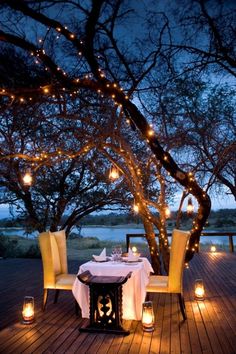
[(117, 234)]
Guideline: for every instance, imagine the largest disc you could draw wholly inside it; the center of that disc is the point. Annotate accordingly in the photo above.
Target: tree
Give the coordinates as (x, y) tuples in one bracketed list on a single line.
[(89, 55), (69, 176)]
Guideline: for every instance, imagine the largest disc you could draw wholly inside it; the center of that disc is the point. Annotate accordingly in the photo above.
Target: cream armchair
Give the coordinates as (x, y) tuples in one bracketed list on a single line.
[(173, 283), (54, 258)]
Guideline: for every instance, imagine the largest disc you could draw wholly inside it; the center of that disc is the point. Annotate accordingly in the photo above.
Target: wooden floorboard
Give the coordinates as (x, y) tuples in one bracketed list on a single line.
[(210, 327)]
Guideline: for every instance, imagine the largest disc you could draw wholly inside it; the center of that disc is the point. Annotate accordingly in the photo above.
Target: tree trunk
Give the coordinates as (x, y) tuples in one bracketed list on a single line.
[(153, 248)]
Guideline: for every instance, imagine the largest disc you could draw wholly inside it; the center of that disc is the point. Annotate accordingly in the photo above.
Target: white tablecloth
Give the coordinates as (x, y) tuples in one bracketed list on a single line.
[(134, 290)]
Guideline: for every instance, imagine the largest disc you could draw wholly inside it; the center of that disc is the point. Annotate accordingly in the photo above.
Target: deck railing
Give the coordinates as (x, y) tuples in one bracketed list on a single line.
[(228, 234)]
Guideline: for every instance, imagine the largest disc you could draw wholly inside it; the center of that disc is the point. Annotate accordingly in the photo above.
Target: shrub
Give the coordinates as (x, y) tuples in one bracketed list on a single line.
[(32, 252), (8, 247)]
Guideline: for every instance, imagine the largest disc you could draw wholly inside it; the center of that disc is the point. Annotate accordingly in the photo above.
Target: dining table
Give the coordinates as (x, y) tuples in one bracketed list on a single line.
[(134, 290)]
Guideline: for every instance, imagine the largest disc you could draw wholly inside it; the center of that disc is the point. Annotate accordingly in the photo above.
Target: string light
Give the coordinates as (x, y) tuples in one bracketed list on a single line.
[(151, 132)]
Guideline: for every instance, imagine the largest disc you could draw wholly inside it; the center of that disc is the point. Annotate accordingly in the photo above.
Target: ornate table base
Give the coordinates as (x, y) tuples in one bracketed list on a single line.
[(105, 303)]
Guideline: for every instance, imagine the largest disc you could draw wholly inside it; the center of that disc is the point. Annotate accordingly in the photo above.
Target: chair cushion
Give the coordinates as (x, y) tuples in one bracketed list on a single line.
[(65, 281), (157, 284)]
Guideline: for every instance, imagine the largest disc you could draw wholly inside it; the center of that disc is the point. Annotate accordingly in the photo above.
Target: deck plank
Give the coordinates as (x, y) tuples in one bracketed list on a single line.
[(210, 327)]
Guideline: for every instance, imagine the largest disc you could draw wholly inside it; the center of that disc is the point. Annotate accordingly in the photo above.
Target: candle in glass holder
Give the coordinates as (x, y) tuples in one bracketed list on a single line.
[(148, 317), (28, 310), (213, 249), (199, 289)]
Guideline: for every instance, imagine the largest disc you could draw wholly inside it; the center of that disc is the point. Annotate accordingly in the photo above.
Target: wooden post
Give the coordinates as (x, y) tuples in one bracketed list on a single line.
[(231, 243)]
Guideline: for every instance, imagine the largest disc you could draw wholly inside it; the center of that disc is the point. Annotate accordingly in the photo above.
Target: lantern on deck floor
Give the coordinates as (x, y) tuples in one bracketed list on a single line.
[(213, 249), (28, 310), (148, 317), (199, 291)]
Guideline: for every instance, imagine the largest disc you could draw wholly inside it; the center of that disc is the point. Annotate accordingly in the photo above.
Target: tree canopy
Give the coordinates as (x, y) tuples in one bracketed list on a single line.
[(124, 54)]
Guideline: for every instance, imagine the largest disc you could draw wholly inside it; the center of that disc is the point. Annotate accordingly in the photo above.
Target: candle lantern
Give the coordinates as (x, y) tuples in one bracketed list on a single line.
[(148, 317), (28, 310), (213, 249), (199, 289)]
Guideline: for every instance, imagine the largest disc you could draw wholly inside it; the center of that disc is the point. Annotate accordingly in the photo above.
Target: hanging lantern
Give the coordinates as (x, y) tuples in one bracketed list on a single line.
[(148, 317), (27, 178), (135, 208), (199, 291), (28, 310), (190, 207), (167, 212), (114, 173)]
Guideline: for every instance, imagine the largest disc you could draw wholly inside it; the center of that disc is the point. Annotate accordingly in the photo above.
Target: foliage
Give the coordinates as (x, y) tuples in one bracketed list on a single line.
[(18, 248)]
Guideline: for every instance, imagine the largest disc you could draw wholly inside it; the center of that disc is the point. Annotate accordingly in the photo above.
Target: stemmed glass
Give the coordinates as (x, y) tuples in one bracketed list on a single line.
[(116, 253)]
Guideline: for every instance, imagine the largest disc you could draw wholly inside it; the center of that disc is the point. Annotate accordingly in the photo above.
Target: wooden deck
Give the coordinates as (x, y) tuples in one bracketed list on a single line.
[(210, 328)]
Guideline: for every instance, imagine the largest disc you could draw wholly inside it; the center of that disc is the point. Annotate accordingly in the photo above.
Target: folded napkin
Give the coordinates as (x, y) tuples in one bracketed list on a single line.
[(101, 257), (132, 257)]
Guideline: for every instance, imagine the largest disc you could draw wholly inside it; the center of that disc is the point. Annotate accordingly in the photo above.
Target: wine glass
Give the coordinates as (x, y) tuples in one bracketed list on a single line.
[(114, 253), (119, 252)]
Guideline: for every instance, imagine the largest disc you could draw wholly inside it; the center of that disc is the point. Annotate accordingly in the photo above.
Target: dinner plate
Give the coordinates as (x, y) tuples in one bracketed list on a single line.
[(134, 261), (105, 260)]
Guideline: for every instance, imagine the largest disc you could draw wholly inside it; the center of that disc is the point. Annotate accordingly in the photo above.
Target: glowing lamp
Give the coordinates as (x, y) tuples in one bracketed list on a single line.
[(27, 178), (190, 207), (213, 249), (28, 310), (199, 291), (114, 173), (135, 251), (148, 317)]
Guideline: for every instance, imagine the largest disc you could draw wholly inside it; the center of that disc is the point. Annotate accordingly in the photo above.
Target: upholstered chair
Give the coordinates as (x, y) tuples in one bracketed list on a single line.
[(173, 283), (54, 258)]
